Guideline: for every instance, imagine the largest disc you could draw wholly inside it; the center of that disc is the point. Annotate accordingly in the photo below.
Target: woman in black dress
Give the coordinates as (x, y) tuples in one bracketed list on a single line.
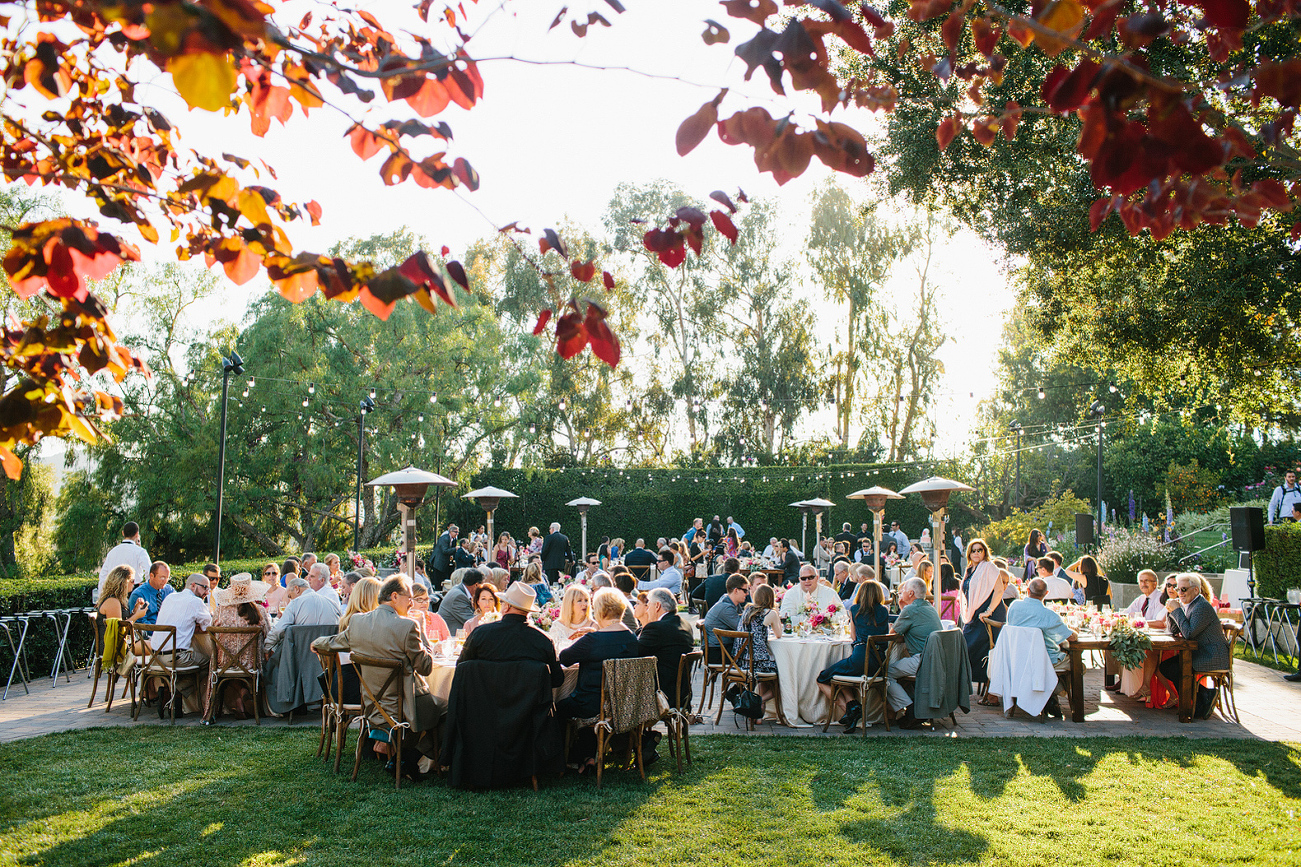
[(982, 587), (870, 617)]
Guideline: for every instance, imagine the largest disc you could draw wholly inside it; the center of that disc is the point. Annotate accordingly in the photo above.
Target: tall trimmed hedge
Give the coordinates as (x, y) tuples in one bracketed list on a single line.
[(653, 503), (1278, 567)]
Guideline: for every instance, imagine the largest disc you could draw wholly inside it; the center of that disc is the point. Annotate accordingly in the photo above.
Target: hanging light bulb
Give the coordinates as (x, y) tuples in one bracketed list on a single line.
[(246, 392), (562, 406), (300, 416), (533, 428), (251, 382), (304, 401), (1041, 392), (497, 403), (372, 394), (433, 398), (311, 389), (1112, 388), (421, 418), (422, 442)]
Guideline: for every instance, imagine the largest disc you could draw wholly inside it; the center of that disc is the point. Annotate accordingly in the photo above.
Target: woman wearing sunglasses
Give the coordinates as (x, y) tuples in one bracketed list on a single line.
[(983, 588)]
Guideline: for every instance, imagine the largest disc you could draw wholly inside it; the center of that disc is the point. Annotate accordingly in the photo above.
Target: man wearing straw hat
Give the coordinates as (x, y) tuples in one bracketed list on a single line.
[(513, 638)]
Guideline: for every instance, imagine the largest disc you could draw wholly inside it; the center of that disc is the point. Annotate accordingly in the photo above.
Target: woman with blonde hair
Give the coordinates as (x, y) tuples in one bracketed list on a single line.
[(575, 615), (278, 598), (113, 600), (534, 577), (364, 597)]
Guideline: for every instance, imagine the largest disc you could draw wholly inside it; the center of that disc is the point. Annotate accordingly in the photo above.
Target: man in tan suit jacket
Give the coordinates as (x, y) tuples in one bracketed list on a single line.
[(386, 633)]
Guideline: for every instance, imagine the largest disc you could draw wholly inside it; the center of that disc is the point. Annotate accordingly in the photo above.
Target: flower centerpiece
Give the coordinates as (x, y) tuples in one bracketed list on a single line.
[(1128, 645), (545, 616), (359, 561)]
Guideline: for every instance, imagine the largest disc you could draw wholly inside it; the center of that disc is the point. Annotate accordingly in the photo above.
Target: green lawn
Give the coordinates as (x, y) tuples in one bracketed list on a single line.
[(225, 797)]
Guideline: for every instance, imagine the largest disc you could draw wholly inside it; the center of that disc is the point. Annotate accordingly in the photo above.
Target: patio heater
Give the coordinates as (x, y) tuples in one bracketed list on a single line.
[(805, 507), (819, 508), (410, 486), (489, 499), (583, 504), (874, 499), (935, 493)]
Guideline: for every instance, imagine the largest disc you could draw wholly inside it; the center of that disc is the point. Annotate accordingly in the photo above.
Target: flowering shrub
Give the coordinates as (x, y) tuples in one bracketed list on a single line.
[(1124, 553), (1006, 538)]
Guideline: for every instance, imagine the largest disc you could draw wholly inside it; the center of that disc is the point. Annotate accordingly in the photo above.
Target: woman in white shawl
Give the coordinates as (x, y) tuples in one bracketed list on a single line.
[(982, 591)]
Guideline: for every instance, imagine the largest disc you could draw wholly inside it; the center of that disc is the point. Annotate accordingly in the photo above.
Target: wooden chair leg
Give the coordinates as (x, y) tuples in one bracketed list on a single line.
[(361, 739), (255, 693), (99, 664), (341, 728), (686, 741), (395, 742), (721, 702), (600, 754), (110, 687), (639, 733), (535, 782), (321, 748)]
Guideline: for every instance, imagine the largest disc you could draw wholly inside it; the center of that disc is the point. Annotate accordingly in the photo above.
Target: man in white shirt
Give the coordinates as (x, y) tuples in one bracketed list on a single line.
[(670, 577), (128, 552), (305, 608), (770, 553), (319, 580), (1280, 504), (1057, 588), (188, 612), (810, 589)]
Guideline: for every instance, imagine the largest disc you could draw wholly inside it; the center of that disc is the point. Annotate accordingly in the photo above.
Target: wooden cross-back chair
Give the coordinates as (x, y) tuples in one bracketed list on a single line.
[(159, 663), (392, 729), (228, 667), (745, 676)]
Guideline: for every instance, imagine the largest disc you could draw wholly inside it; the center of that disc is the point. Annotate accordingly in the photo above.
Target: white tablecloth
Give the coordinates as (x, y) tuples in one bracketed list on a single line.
[(440, 679), (799, 662)]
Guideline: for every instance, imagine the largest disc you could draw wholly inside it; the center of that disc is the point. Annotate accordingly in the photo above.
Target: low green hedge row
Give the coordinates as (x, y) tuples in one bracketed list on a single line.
[(1278, 567)]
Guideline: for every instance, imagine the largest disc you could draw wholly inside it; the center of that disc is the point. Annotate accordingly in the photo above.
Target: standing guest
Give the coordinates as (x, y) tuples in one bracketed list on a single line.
[(1097, 589), (1031, 612), (847, 537), (188, 612), (982, 590), (575, 615), (239, 605), (733, 525), (319, 580), (759, 619), (956, 550), (900, 538), (1192, 617), (869, 617), (610, 640), (434, 627), (535, 541), (503, 553), (486, 609), (724, 614), (916, 621), (154, 592), (364, 598), (1281, 502), (716, 531), (731, 543), (697, 529), (464, 555), (670, 577), (810, 592), (822, 555), (864, 532), (441, 562), (555, 551), (458, 604), (387, 633), (1035, 547), (513, 638), (305, 608), (128, 552), (667, 637), (308, 561), (278, 596)]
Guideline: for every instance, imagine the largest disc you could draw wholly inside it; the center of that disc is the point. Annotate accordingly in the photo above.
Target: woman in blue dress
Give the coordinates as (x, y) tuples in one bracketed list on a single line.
[(983, 589), (870, 617)]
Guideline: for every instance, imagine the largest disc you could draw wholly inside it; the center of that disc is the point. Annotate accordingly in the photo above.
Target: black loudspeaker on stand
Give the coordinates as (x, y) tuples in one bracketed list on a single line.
[(1083, 529), (1248, 526)]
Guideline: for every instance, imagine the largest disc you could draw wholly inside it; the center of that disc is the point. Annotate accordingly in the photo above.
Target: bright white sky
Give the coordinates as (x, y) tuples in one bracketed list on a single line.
[(551, 142)]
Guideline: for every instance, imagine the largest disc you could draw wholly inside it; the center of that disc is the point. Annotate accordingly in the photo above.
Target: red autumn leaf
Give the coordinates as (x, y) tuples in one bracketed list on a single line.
[(465, 173), (951, 30), (1228, 14), (872, 16), (583, 272), (1273, 194), (1011, 119), (1066, 91), (543, 318), (243, 267), (430, 99), (674, 256), (947, 129), (608, 279), (375, 305), (314, 211), (571, 336), (751, 10), (553, 242), (722, 198), (1098, 212), (13, 466), (418, 269), (1282, 81), (1104, 19), (984, 129), (714, 32), (693, 217), (365, 143), (605, 345), (724, 225), (458, 274), (693, 130)]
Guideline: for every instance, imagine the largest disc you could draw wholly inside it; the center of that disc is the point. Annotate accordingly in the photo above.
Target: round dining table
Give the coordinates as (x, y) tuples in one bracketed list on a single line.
[(439, 680), (799, 662)]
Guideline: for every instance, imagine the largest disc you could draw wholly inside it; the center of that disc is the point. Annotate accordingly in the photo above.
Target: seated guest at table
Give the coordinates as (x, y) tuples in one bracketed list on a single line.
[(864, 553), (670, 577), (916, 621), (464, 555), (610, 640), (347, 582), (433, 625), (640, 609), (513, 638), (319, 580), (278, 597), (787, 561), (365, 597), (458, 603), (536, 578), (726, 615), (187, 611), (305, 608), (770, 551), (809, 590), (238, 605), (114, 601), (388, 633), (712, 588), (758, 618), (486, 608), (1147, 607), (153, 591), (869, 617), (621, 575), (1059, 589), (667, 637), (639, 556), (575, 619), (1031, 612), (982, 589), (1193, 618), (840, 580)]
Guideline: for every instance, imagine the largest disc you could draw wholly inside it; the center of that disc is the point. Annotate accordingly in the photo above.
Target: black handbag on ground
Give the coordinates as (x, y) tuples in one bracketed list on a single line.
[(749, 704)]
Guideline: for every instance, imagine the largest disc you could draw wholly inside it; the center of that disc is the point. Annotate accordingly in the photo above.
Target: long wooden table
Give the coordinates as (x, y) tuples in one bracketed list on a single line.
[(1160, 642)]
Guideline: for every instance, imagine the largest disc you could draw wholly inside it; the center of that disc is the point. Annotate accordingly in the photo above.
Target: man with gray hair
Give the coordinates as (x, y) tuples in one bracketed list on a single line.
[(319, 580), (667, 637), (917, 620), (555, 551), (309, 560), (305, 608)]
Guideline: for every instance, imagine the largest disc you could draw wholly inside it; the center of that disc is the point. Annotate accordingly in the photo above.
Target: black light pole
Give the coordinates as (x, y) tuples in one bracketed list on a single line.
[(1016, 500), (234, 365), (1097, 410), (367, 405)]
